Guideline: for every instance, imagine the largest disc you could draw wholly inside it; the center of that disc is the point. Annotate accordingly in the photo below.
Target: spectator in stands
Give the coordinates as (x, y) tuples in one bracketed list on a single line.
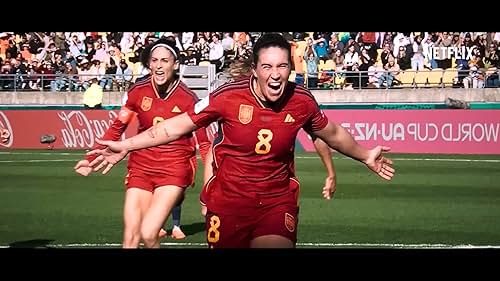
[(70, 76), (350, 58), (365, 61), (228, 44), (391, 70), (114, 53), (492, 58), (321, 48), (216, 52), (404, 61), (492, 78), (187, 40), (190, 57), (353, 78), (92, 97), (109, 75), (101, 52), (312, 62), (11, 49), (338, 59), (475, 79), (481, 43), (202, 48), (386, 53), (417, 59), (334, 44), (427, 44), (124, 75), (84, 74)]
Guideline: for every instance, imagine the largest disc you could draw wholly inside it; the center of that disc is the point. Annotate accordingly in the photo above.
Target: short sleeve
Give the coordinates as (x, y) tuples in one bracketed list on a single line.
[(206, 111), (317, 119)]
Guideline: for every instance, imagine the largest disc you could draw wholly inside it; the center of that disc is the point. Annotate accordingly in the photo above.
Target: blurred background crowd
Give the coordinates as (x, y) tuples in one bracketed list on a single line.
[(71, 61)]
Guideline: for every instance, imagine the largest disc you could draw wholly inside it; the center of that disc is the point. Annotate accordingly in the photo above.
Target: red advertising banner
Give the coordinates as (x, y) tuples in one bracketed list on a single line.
[(74, 129), (420, 131), (406, 131)]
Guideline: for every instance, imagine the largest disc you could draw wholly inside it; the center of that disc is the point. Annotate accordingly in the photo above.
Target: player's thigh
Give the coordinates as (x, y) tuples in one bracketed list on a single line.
[(280, 220), (164, 199), (227, 231), (137, 201)]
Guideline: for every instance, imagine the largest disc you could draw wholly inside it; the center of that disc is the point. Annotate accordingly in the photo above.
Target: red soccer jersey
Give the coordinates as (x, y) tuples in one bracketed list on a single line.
[(254, 148), (149, 108)]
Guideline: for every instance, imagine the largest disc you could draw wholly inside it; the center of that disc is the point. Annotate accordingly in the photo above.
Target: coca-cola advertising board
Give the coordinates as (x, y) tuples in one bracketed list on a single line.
[(405, 131), (73, 129)]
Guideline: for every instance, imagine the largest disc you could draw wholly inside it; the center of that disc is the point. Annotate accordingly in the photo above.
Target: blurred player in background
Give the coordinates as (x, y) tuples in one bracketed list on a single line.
[(157, 176)]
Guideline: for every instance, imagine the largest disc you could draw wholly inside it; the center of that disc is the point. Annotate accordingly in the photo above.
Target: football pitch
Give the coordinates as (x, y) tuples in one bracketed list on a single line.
[(434, 201)]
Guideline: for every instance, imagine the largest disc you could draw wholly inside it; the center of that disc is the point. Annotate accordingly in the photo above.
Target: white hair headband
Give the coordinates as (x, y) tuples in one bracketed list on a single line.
[(166, 46)]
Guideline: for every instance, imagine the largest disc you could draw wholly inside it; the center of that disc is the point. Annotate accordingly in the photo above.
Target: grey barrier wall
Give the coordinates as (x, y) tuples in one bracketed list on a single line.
[(430, 95)]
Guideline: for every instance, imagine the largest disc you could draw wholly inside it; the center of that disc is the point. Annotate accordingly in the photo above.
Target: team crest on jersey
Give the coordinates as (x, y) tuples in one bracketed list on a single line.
[(245, 114), (146, 103), (289, 222)]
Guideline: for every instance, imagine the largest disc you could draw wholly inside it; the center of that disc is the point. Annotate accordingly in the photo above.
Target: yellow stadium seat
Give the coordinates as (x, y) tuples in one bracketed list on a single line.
[(321, 65), (379, 51), (448, 76), (435, 77), (329, 65), (406, 78), (421, 77)]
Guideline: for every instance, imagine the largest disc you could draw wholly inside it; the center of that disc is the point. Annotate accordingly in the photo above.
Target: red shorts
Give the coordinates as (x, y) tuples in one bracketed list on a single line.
[(181, 175), (237, 230)]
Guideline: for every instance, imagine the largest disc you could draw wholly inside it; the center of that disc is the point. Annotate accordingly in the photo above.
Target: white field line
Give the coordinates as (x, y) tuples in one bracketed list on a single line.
[(299, 245), (39, 153), (298, 157), (38, 160)]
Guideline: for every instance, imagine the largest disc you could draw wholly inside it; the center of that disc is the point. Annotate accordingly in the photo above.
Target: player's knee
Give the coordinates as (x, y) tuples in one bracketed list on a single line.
[(131, 239), (149, 237)]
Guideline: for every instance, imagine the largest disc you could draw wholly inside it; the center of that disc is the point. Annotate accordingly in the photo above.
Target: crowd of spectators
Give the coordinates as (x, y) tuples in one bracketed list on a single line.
[(69, 61)]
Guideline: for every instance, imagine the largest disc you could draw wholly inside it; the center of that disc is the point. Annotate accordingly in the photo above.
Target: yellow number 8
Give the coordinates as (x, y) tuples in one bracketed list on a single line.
[(213, 232), (264, 146)]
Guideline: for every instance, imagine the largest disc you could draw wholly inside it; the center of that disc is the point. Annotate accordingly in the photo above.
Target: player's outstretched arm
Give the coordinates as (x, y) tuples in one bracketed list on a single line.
[(339, 139), (163, 132), (325, 154)]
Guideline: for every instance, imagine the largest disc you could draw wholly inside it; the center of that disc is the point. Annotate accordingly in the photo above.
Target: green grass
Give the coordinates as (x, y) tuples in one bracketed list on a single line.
[(428, 202)]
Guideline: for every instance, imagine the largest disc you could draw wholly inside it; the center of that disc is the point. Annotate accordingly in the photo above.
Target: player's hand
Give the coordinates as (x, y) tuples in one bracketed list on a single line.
[(107, 157), (83, 168), (380, 164), (330, 187)]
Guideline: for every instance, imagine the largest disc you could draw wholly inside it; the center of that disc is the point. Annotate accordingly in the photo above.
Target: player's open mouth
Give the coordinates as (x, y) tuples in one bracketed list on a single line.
[(160, 75), (274, 86)]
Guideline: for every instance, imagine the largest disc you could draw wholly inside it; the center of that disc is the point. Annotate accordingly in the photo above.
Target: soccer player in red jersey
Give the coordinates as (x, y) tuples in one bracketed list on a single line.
[(239, 69), (157, 176), (252, 198)]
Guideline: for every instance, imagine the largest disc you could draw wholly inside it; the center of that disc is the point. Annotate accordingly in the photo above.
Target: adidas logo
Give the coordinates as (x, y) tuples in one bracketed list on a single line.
[(289, 118), (176, 109)]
